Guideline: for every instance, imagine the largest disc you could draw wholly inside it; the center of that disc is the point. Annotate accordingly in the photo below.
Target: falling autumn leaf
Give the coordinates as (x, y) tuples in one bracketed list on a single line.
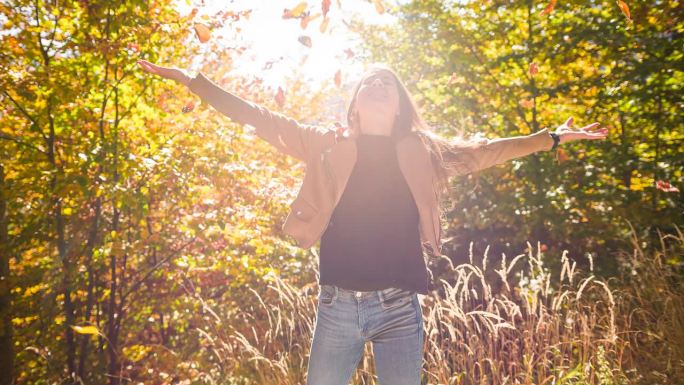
[(379, 7), (527, 103), (338, 78), (306, 19), (349, 52), (549, 8), (561, 155), (193, 13), (625, 9), (287, 14), (666, 186), (280, 97), (305, 40), (299, 9), (534, 68), (325, 7), (85, 329), (203, 32), (324, 25)]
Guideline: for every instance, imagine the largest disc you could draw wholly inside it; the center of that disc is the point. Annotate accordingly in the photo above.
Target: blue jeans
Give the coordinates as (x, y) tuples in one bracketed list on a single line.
[(391, 319)]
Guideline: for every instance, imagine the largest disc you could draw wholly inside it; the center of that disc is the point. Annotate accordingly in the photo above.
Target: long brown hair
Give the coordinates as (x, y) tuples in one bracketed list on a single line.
[(449, 156)]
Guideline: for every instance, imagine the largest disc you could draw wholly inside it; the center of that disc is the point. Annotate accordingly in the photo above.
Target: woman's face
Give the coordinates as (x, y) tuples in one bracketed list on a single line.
[(378, 93)]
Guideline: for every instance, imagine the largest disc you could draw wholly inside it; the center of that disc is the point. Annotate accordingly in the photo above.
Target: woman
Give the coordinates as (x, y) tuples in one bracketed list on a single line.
[(371, 195)]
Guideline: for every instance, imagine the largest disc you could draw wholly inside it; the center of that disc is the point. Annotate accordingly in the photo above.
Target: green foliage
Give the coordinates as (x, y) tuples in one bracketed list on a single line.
[(143, 241), (469, 65)]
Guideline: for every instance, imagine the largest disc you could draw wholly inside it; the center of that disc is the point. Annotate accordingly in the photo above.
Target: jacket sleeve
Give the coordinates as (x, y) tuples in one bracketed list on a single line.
[(284, 133), (497, 151)]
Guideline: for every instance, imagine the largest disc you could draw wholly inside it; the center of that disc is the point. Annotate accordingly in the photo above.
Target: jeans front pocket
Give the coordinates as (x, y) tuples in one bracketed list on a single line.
[(327, 296), (394, 298)]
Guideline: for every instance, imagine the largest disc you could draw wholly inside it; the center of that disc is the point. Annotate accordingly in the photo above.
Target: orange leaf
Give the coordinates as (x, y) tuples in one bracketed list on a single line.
[(280, 97), (203, 32), (527, 103), (325, 6), (561, 155), (378, 6), (324, 25), (534, 68), (193, 13), (305, 40), (624, 8), (306, 19), (666, 186), (338, 78), (549, 8)]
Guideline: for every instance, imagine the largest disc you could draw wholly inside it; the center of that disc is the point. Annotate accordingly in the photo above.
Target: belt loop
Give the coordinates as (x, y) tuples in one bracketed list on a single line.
[(379, 295), (335, 291)]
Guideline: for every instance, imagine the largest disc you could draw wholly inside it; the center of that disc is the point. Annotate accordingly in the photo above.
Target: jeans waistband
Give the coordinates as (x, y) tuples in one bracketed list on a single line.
[(360, 294)]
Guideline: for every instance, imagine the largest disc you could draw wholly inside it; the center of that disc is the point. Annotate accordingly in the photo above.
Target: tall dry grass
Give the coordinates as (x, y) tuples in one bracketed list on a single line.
[(512, 322)]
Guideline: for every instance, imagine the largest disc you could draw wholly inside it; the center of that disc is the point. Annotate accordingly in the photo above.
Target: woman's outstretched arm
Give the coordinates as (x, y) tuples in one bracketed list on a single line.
[(500, 150), (286, 134)]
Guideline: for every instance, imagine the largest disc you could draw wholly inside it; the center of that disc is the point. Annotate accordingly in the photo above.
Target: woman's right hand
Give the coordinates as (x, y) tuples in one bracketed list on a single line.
[(173, 73)]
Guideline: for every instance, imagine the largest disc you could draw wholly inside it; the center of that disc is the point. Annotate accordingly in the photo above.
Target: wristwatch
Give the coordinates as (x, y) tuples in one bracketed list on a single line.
[(556, 140)]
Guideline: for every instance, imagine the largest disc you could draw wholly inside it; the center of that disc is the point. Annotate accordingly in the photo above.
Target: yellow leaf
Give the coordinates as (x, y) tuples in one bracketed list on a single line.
[(296, 11), (85, 329), (324, 25)]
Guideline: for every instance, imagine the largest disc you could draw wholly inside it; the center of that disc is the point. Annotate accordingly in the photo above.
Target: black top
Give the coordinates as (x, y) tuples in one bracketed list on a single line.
[(372, 241)]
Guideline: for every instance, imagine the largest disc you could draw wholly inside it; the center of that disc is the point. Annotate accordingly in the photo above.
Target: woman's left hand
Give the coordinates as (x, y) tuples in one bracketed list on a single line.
[(567, 134)]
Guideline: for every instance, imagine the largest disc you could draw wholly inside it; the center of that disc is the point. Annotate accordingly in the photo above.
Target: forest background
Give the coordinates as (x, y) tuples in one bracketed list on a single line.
[(140, 236)]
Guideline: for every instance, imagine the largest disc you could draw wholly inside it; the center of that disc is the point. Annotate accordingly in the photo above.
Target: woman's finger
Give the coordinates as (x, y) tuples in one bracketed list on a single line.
[(595, 124), (569, 122)]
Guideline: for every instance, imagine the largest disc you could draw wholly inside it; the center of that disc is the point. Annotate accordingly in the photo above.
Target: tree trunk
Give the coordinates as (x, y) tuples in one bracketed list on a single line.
[(6, 349)]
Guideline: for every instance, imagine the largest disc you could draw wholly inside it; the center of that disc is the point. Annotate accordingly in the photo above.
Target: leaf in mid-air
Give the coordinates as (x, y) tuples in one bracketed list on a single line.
[(561, 155), (324, 25), (85, 329), (379, 7), (295, 12), (203, 32), (549, 8), (306, 19), (666, 186), (527, 103), (534, 68), (349, 52), (280, 97), (325, 7), (338, 78), (624, 8), (305, 40)]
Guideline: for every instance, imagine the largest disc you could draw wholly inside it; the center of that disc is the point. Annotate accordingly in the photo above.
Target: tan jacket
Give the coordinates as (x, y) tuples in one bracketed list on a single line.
[(330, 159)]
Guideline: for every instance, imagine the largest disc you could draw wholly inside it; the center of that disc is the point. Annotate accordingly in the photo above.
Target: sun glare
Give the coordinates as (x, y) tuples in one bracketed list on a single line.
[(275, 51)]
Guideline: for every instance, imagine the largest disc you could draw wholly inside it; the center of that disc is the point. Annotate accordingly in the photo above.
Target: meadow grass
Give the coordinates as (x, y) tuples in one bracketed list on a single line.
[(506, 322)]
